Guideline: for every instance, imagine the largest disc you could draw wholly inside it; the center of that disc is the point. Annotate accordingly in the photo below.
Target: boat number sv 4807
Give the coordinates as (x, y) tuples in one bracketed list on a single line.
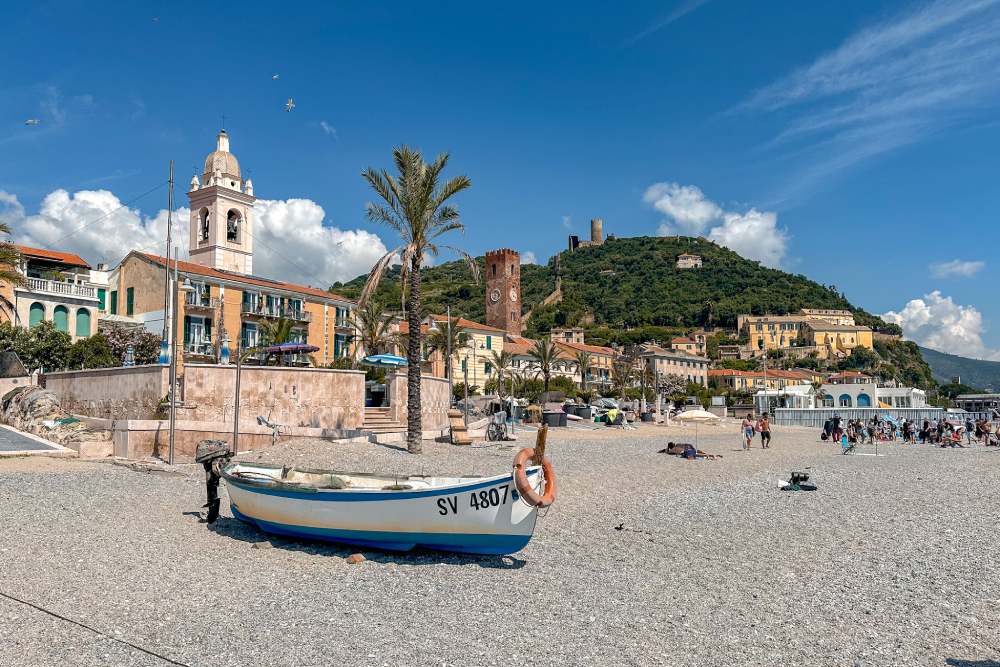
[(480, 500)]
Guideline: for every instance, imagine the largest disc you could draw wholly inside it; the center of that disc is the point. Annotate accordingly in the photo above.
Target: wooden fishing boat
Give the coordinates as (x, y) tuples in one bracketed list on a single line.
[(478, 515)]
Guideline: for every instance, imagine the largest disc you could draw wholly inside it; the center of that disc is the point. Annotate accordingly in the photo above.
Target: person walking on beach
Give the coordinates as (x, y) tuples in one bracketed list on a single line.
[(838, 432), (747, 432), (764, 428), (970, 426)]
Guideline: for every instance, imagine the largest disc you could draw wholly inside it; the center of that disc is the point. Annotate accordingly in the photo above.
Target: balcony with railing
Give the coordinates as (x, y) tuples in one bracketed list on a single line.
[(196, 300), (201, 348), (272, 312), (60, 288)]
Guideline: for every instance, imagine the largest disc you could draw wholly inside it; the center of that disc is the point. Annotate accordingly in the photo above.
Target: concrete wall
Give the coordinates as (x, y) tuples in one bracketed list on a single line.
[(6, 384), (112, 393), (314, 397), (435, 399)]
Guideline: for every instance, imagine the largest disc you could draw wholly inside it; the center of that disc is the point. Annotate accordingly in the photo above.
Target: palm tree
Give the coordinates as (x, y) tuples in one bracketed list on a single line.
[(545, 356), (501, 361), (622, 374), (10, 259), (374, 328), (414, 205), (275, 332), (444, 337), (584, 360), (817, 386)]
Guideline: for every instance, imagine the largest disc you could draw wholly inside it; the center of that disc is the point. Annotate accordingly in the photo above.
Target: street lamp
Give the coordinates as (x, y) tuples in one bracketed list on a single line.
[(178, 288)]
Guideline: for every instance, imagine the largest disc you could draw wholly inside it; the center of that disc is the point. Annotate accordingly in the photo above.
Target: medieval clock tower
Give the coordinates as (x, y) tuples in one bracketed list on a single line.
[(503, 290), (221, 213)]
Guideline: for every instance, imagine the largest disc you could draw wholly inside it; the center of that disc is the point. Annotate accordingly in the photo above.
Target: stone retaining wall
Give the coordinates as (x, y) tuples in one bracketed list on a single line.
[(113, 393)]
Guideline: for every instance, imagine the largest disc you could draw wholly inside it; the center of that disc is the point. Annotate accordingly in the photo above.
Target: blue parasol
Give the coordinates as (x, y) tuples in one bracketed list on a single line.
[(384, 360)]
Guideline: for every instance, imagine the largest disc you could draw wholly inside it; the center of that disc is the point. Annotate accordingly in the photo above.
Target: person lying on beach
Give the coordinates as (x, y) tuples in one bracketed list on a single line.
[(688, 451)]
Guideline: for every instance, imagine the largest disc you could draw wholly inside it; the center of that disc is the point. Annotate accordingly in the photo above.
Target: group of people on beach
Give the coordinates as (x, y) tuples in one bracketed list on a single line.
[(750, 429), (940, 432)]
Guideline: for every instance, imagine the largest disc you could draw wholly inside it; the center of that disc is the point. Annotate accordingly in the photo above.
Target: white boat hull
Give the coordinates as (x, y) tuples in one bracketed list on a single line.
[(468, 515)]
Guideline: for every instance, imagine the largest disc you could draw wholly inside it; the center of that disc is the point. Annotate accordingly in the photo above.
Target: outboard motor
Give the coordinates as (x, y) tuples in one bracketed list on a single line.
[(214, 455)]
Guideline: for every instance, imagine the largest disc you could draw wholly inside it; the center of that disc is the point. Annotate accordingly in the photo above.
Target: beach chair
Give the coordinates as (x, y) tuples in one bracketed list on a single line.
[(847, 446)]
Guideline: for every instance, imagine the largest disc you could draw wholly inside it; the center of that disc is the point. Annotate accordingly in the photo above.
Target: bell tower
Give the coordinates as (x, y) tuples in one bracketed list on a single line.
[(222, 213), (503, 290)]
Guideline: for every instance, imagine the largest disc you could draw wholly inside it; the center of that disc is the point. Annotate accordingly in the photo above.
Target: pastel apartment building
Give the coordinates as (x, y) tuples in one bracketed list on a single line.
[(228, 305), (59, 287)]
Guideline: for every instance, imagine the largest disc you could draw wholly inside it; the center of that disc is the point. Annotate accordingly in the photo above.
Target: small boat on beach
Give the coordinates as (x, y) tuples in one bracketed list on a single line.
[(476, 515)]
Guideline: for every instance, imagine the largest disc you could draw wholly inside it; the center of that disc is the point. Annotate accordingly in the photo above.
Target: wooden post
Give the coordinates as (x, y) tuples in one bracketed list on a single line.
[(543, 433)]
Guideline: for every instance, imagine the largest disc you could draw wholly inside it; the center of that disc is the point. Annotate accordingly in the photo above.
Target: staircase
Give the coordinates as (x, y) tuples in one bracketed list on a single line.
[(379, 420)]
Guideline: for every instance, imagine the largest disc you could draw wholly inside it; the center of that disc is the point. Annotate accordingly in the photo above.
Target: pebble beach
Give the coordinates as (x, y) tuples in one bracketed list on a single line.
[(645, 559)]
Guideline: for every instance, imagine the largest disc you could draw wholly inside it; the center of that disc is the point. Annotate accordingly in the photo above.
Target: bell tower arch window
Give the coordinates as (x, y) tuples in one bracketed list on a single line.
[(203, 224), (234, 222)]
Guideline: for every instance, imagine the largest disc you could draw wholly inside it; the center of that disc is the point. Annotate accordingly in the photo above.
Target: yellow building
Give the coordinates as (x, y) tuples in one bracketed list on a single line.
[(229, 305), (835, 340), (770, 332), (833, 316), (475, 358)]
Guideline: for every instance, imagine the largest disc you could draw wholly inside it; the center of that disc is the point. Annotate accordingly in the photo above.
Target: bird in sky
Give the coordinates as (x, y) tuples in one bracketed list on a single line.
[(275, 77), (290, 104), (32, 121)]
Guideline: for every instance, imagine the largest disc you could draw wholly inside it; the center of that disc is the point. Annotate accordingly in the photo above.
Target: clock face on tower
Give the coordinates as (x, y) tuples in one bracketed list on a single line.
[(513, 294), (495, 295)]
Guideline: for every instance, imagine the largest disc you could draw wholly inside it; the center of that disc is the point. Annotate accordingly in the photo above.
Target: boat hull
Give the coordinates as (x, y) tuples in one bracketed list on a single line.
[(479, 516)]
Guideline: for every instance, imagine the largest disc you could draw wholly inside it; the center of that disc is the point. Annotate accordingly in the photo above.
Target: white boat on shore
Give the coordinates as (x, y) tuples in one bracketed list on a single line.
[(479, 515)]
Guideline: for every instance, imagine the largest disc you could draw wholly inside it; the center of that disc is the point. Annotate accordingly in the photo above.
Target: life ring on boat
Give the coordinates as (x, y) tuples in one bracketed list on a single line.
[(524, 487)]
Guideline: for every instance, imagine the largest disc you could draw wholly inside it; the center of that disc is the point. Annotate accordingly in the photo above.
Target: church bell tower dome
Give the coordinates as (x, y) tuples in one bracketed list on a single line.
[(222, 160)]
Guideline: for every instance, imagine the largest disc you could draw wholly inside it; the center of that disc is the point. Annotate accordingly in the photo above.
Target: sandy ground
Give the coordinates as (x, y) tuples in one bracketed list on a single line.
[(644, 560)]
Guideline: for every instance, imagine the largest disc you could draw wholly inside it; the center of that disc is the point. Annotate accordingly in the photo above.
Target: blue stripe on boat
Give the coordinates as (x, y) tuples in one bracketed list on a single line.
[(337, 495), (471, 543)]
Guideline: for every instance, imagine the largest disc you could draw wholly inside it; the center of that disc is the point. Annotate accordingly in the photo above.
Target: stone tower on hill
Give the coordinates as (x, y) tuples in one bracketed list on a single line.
[(221, 213), (503, 290)]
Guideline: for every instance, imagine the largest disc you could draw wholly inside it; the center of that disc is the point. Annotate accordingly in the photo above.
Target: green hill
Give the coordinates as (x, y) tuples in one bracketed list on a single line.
[(974, 372), (629, 290), (633, 282)]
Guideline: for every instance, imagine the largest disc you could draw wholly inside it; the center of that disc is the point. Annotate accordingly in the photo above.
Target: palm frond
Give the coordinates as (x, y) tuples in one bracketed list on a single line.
[(470, 261), (375, 276)]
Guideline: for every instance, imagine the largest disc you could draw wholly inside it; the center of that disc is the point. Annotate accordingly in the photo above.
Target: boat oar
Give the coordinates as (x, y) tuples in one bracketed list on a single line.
[(543, 432)]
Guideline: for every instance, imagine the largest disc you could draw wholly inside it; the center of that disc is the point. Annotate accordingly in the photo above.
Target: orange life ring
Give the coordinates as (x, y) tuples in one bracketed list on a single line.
[(524, 487)]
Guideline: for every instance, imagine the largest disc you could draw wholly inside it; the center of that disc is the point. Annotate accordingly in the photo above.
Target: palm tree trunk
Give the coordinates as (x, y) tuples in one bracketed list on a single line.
[(414, 427)]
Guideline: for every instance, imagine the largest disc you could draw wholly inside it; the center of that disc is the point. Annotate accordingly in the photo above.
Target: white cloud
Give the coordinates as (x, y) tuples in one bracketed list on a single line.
[(889, 85), (686, 205), (290, 240), (753, 234), (957, 267), (528, 258), (328, 129), (939, 323), (567, 221)]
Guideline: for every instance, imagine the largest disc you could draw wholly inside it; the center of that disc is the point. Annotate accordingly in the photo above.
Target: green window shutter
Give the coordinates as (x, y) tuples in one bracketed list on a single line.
[(208, 329), (130, 301), (114, 302), (187, 329), (464, 364), (489, 343), (101, 297)]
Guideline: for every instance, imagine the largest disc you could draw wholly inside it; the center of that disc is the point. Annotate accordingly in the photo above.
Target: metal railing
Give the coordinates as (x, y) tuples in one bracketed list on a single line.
[(62, 288), (817, 417), (300, 315), (200, 348), (201, 301)]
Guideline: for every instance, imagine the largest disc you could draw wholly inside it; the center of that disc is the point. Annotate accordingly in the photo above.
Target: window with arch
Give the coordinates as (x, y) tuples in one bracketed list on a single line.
[(845, 400), (36, 314), (82, 322), (864, 401), (203, 224), (60, 317), (233, 224)]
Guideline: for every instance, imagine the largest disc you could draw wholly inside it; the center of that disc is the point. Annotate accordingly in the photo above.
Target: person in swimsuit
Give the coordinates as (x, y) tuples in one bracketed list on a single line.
[(748, 431), (764, 428)]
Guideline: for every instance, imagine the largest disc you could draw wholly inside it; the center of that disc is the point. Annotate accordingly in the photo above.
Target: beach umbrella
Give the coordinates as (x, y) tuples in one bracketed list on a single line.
[(290, 348), (697, 417), (390, 360)]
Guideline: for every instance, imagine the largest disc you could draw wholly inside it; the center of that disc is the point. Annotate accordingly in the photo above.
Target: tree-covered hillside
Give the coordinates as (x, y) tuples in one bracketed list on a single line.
[(974, 372), (632, 282)]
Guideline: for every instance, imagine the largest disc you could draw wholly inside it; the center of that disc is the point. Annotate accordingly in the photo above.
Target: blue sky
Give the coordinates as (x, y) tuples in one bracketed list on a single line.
[(853, 142)]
